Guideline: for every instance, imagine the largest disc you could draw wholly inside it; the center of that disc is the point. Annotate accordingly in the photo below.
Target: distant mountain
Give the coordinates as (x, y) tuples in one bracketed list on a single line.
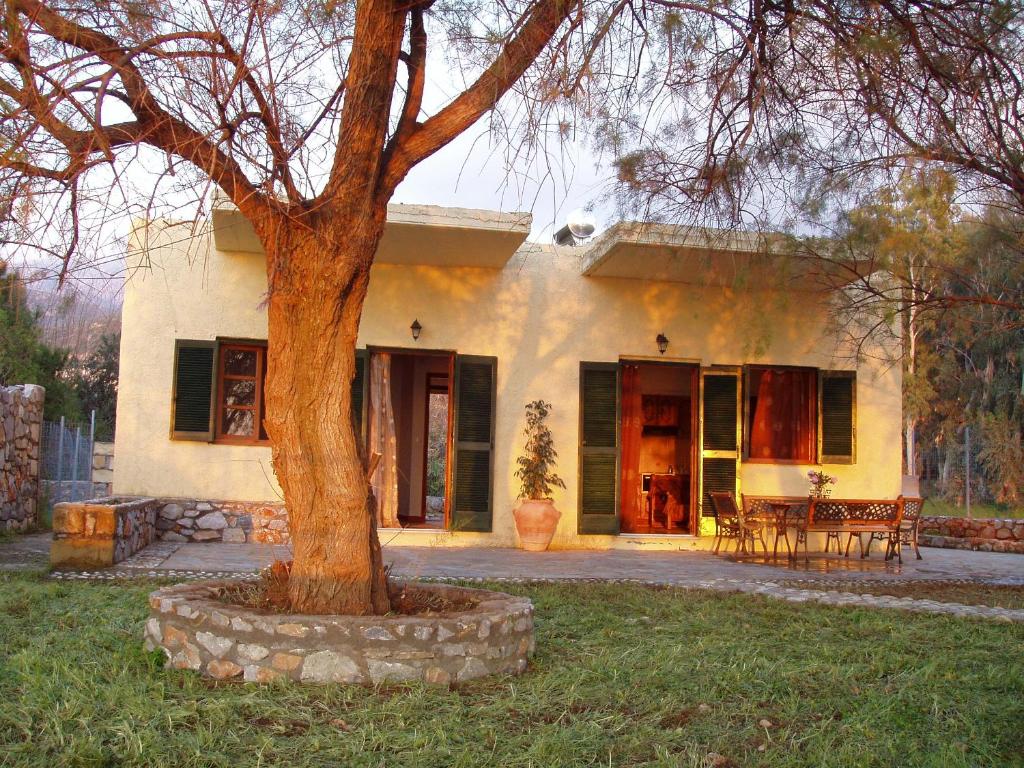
[(75, 317)]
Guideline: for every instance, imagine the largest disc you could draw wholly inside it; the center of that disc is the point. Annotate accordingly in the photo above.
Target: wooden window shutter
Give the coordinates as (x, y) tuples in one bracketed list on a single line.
[(193, 392), (837, 408), (473, 471), (599, 448), (360, 400), (720, 416)]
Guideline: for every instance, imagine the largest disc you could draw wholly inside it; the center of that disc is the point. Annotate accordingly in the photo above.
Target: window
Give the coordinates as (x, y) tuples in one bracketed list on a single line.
[(241, 373), (781, 414)]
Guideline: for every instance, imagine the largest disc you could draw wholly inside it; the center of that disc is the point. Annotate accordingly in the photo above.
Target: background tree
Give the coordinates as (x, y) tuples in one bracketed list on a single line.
[(25, 358), (940, 287), (910, 232), (96, 384)]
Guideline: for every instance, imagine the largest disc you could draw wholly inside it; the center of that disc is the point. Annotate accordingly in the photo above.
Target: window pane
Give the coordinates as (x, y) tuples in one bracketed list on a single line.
[(239, 392), (239, 362), (781, 413), (237, 422)]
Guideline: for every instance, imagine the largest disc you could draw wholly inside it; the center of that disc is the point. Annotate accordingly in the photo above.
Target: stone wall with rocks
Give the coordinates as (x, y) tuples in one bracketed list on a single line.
[(100, 532), (102, 469), (229, 521), (986, 535), (199, 631), (21, 418)]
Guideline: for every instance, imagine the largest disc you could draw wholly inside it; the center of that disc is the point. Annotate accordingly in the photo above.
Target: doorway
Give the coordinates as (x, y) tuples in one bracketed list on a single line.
[(658, 447), (410, 429)]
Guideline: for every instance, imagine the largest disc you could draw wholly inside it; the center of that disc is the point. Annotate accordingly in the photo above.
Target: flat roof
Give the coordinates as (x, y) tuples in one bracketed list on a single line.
[(672, 253), (414, 234)]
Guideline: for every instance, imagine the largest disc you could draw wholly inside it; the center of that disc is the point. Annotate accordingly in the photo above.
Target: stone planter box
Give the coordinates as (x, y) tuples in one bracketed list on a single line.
[(198, 631), (100, 532)]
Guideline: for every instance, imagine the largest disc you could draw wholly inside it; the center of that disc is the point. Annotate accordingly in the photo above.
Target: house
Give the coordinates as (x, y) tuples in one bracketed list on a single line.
[(674, 361)]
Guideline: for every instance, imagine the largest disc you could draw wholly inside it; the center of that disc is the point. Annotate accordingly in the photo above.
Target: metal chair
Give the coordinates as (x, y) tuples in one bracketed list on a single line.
[(730, 523), (907, 533)]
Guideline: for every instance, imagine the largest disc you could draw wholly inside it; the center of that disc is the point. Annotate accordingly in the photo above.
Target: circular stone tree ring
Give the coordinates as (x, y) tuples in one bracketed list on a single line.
[(198, 630)]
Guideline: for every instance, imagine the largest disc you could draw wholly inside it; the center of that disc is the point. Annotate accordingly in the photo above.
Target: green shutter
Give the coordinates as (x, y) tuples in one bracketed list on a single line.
[(599, 448), (192, 399), (837, 434), (719, 475), (473, 471), (720, 417), (720, 442), (360, 385)]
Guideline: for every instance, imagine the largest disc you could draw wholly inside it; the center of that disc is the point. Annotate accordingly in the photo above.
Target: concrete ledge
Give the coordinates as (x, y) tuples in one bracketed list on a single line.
[(101, 532), (197, 630)]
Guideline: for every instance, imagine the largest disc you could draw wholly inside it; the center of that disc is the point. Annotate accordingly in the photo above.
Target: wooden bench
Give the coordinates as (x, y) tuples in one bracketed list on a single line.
[(880, 518)]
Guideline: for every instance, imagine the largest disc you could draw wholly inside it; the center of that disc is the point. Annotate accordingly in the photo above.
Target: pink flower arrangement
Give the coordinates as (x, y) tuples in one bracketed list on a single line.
[(819, 483)]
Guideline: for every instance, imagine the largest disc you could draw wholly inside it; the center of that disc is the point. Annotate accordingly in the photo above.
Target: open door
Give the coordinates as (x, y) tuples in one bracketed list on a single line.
[(720, 421)]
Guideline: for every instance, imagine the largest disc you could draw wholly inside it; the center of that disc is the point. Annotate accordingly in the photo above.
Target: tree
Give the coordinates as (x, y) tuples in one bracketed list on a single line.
[(309, 114), (911, 233), (96, 384), (815, 98), (940, 288), (24, 358)]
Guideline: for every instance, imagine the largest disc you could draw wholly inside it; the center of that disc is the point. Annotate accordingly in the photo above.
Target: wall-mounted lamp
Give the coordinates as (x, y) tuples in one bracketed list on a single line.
[(662, 343), (415, 328)]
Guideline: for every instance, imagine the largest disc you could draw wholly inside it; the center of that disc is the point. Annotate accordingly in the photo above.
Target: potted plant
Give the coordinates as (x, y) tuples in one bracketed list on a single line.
[(536, 516)]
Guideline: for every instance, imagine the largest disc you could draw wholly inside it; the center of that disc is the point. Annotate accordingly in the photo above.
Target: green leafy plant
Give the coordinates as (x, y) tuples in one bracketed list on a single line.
[(537, 462)]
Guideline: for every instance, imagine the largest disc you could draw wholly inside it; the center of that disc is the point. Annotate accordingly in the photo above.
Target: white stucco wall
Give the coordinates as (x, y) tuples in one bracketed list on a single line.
[(538, 316)]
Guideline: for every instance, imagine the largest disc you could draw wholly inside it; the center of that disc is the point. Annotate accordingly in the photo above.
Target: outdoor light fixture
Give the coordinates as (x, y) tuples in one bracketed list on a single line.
[(662, 343), (415, 328)]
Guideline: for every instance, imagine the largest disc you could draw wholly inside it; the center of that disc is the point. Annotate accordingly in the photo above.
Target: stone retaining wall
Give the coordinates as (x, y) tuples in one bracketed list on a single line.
[(100, 532), (102, 469), (198, 631), (986, 535), (21, 418), (230, 521)]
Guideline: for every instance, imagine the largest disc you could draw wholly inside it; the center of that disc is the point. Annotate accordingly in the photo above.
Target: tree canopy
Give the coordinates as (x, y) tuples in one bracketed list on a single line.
[(25, 358)]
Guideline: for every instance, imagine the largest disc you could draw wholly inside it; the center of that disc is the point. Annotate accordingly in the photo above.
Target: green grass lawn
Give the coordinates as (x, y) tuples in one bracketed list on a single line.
[(978, 511), (623, 676)]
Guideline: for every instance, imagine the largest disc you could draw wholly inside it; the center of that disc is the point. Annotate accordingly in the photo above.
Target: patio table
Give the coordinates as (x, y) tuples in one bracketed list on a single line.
[(783, 516)]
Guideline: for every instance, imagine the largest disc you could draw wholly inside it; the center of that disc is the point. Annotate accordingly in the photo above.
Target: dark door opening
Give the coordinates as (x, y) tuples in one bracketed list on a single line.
[(658, 428), (410, 428)]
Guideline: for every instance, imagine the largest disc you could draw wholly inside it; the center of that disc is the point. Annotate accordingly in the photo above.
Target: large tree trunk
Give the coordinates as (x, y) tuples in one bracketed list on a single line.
[(318, 271)]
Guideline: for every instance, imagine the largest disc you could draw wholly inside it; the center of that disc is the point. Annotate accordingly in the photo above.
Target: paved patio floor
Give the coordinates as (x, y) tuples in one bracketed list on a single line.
[(500, 563), (684, 569), (662, 567)]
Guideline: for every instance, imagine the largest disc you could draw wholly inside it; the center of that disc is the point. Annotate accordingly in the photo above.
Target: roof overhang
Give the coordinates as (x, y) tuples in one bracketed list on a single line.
[(699, 256), (414, 234)]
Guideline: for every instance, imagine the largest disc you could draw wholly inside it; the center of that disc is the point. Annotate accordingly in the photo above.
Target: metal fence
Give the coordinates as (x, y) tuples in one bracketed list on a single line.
[(66, 459)]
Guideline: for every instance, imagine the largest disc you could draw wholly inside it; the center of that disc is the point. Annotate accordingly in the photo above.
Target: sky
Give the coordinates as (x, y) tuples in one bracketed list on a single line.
[(471, 173)]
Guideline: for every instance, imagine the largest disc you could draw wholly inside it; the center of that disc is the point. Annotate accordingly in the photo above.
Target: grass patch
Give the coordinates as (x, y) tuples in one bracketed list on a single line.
[(623, 676), (992, 595), (978, 511)]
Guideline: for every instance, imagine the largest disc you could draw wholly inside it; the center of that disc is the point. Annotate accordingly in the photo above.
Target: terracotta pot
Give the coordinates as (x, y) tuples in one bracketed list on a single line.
[(536, 520)]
